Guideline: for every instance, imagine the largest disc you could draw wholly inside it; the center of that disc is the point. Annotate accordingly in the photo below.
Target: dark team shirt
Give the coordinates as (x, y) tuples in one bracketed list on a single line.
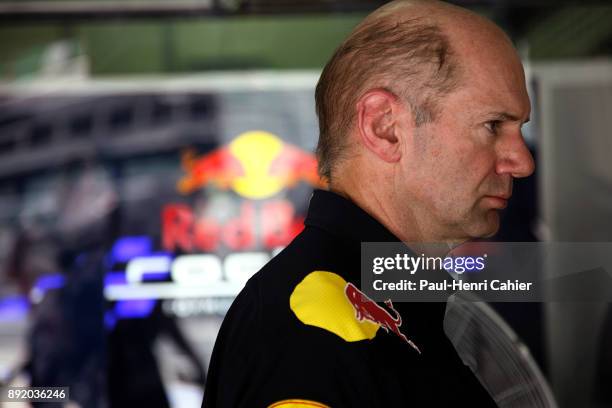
[(294, 338)]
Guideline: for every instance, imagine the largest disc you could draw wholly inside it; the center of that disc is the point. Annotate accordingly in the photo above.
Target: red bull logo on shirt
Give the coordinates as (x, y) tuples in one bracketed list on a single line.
[(327, 301), (366, 308)]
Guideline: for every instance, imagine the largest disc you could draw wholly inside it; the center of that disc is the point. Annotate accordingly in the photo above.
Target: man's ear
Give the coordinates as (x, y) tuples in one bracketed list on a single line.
[(377, 116)]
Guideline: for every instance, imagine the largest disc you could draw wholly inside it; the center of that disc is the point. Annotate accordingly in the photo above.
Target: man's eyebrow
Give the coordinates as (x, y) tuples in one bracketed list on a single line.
[(507, 116)]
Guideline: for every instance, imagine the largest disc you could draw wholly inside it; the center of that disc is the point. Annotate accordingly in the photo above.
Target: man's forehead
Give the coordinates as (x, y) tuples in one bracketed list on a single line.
[(496, 78), (507, 92), (513, 108)]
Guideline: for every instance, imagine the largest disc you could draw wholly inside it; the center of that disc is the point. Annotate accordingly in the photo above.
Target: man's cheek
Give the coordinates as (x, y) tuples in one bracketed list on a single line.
[(452, 200)]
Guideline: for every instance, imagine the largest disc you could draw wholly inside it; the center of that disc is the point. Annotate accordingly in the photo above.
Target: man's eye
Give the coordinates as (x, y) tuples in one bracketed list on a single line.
[(492, 126)]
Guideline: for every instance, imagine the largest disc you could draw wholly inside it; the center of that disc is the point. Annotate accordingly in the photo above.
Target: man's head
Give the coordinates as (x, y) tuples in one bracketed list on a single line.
[(420, 112)]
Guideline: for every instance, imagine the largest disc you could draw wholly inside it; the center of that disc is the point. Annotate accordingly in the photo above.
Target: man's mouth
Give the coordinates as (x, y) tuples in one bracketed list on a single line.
[(497, 201)]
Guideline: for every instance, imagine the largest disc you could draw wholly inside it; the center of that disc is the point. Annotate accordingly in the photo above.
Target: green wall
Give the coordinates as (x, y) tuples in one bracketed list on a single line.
[(185, 45), (117, 47)]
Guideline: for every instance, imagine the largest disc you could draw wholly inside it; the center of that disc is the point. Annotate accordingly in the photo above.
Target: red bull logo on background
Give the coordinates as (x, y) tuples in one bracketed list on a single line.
[(256, 166)]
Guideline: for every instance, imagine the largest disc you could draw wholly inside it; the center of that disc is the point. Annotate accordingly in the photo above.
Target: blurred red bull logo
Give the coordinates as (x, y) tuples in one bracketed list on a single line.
[(257, 166)]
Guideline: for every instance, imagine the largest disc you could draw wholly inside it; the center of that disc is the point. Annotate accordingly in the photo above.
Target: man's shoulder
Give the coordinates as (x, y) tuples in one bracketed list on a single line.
[(313, 263), (313, 250)]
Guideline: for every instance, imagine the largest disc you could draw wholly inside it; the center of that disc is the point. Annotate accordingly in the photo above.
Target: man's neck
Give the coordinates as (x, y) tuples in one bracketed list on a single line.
[(403, 225)]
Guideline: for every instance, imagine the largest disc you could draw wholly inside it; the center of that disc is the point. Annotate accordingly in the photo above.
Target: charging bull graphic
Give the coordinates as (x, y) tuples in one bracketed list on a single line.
[(366, 308)]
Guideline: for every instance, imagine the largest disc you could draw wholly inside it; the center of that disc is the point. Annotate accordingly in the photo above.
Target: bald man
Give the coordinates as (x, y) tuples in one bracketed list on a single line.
[(420, 112)]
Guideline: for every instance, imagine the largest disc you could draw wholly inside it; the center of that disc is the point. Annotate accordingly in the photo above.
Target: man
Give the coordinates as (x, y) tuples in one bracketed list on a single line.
[(420, 113)]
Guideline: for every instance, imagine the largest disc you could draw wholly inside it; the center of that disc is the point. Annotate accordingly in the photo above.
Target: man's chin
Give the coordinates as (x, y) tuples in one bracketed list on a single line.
[(486, 226)]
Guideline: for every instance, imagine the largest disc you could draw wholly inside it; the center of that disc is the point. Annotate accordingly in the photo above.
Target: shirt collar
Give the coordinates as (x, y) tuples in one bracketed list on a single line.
[(340, 216)]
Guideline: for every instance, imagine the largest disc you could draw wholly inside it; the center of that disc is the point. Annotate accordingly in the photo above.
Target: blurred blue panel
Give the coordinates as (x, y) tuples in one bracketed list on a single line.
[(127, 248), (48, 282), (14, 308), (134, 308), (114, 278), (110, 320), (155, 276)]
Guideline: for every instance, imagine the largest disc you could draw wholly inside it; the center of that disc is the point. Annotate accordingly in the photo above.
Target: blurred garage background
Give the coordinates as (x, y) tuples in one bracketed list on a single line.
[(154, 154)]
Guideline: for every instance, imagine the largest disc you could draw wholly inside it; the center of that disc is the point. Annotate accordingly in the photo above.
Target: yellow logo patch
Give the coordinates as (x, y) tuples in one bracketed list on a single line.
[(319, 300), (297, 403)]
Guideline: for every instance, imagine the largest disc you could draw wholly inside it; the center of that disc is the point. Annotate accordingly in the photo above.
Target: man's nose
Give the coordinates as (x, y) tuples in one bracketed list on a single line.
[(514, 157)]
